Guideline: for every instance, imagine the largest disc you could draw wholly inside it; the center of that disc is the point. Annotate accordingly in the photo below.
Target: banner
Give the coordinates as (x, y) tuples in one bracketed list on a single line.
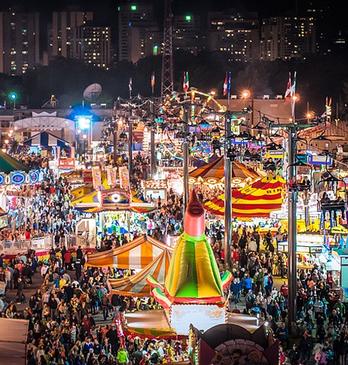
[(111, 176), (97, 178), (275, 154), (318, 160), (87, 177), (124, 177), (66, 163), (114, 175)]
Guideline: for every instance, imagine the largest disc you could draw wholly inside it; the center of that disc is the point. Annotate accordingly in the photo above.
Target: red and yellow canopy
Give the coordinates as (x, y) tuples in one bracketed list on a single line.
[(214, 171), (256, 200)]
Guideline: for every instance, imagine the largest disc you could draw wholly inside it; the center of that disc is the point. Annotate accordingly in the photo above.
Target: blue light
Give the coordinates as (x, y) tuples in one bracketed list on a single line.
[(83, 122)]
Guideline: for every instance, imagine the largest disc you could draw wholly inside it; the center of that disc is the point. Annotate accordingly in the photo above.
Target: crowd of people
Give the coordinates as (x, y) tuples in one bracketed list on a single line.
[(45, 209), (322, 318), (73, 319)]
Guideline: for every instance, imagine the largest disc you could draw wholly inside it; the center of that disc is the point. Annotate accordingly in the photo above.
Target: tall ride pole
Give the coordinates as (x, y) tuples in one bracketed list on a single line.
[(130, 148), (292, 230), (228, 193), (115, 140), (186, 158), (167, 83), (152, 143)]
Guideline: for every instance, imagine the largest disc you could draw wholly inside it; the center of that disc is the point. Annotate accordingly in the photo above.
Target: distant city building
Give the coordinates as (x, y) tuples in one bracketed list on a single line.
[(234, 34), (138, 34), (19, 42), (188, 34), (63, 33), (94, 45), (287, 37), (144, 42)]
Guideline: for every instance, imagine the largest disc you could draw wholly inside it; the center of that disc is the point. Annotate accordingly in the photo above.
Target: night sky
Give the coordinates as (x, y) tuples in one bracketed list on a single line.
[(264, 8), (332, 21)]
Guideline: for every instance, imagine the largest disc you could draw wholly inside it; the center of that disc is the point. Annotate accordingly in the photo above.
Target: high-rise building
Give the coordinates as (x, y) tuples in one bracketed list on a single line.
[(287, 37), (94, 45), (143, 42), (188, 34), (63, 33), (19, 42), (235, 34), (136, 28)]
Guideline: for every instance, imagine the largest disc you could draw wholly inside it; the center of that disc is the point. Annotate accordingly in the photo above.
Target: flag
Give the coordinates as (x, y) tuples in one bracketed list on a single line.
[(328, 111), (153, 82), (229, 85), (225, 85), (293, 86), (130, 85), (292, 94), (288, 87), (186, 82)]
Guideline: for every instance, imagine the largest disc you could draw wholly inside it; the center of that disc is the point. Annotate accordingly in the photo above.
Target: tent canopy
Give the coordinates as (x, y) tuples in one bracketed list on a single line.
[(9, 164), (134, 255), (256, 200), (215, 171), (137, 285)]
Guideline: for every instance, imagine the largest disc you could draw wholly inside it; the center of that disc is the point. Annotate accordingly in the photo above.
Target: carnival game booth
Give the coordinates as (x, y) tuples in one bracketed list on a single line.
[(259, 199), (110, 210)]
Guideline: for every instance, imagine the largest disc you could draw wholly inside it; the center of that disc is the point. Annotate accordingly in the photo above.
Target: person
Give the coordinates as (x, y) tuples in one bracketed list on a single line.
[(122, 356), (79, 253), (105, 306), (284, 290)]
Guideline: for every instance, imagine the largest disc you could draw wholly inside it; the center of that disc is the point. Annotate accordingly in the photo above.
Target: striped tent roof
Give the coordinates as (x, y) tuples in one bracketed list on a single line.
[(136, 285), (256, 200), (134, 255), (9, 164), (215, 170)]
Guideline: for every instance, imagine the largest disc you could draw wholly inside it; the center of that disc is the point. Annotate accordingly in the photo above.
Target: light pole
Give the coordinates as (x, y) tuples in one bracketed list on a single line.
[(186, 157), (228, 191), (152, 141), (13, 97), (292, 230), (247, 95), (130, 148)]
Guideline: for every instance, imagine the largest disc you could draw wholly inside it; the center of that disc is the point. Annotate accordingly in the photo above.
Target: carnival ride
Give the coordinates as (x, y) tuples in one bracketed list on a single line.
[(259, 199), (331, 202)]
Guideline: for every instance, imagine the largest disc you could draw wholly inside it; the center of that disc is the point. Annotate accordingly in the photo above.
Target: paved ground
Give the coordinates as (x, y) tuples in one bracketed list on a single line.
[(28, 292)]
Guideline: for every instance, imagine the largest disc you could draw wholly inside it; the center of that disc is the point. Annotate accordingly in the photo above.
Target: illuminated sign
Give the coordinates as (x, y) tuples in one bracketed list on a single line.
[(17, 178), (200, 316)]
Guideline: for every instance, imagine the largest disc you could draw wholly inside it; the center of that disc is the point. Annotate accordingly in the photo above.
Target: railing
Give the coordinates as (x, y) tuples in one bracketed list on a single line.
[(36, 243)]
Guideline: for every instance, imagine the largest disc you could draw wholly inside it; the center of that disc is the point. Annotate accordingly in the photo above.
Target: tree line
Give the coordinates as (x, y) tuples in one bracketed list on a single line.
[(317, 77)]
